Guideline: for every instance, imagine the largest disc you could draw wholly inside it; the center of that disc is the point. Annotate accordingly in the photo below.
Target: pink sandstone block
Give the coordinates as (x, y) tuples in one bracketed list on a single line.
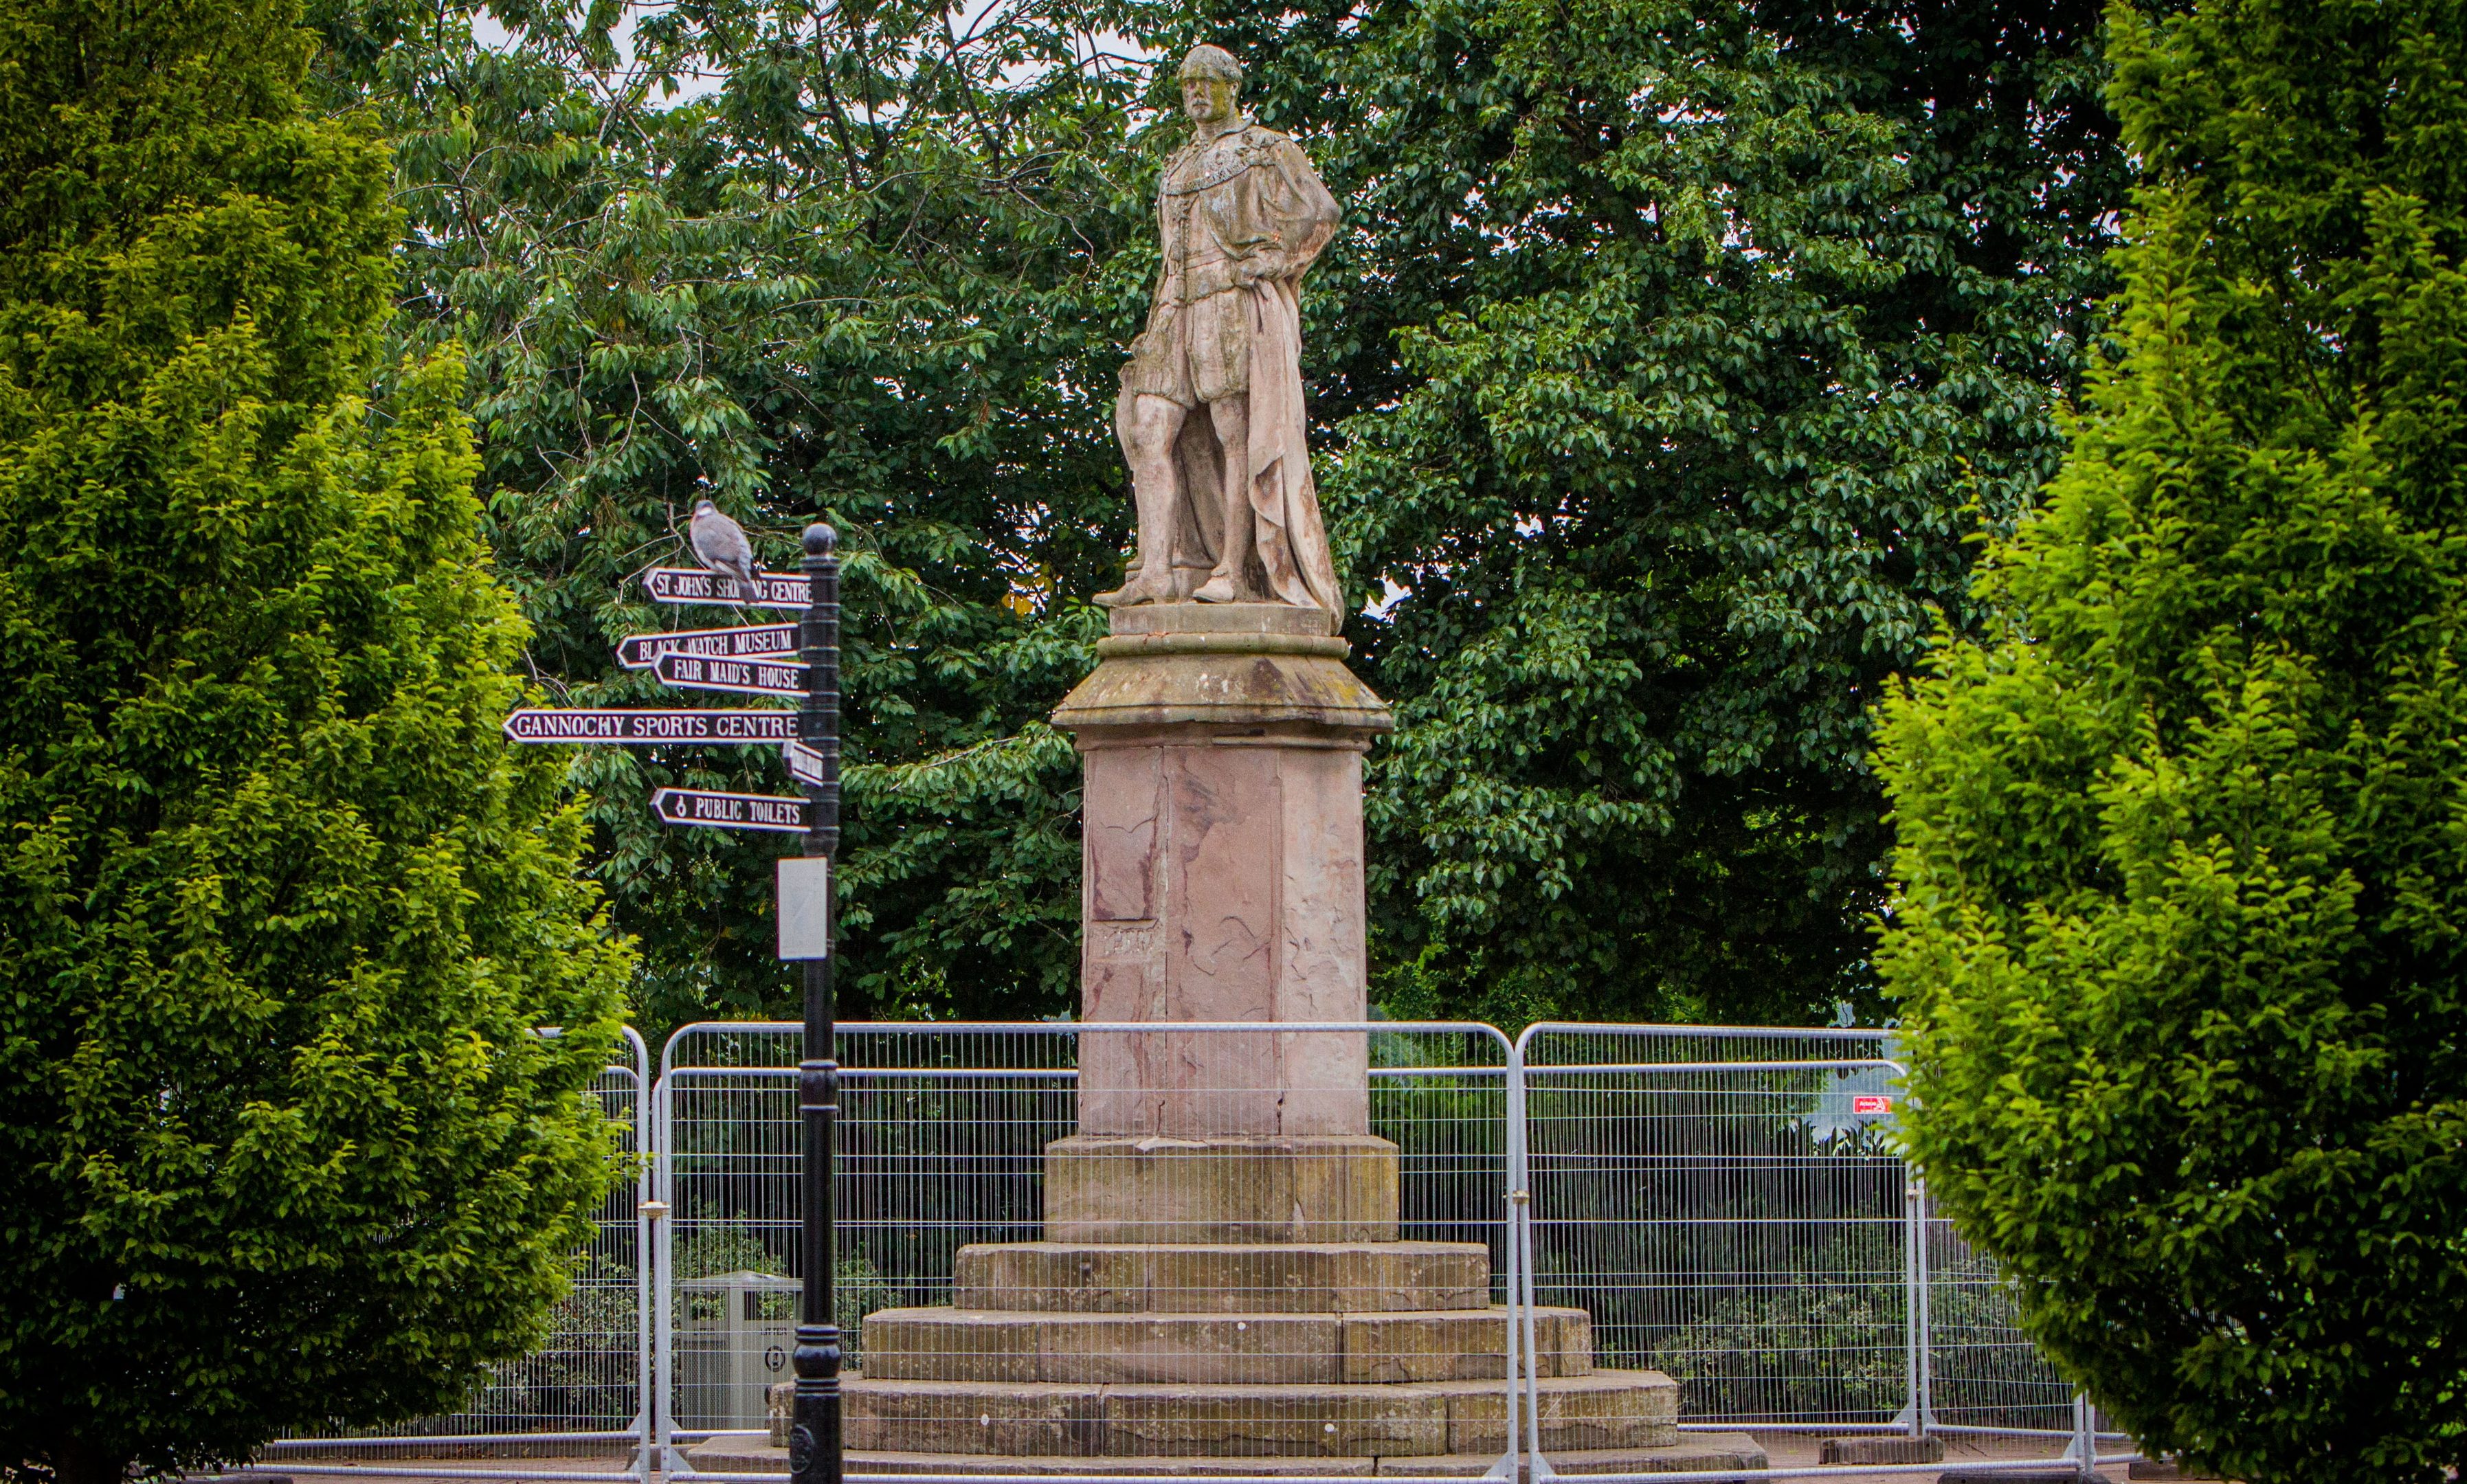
[(1223, 883)]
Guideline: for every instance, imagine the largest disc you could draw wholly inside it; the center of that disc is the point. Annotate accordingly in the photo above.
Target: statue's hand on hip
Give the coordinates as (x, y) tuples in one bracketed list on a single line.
[(1263, 267)]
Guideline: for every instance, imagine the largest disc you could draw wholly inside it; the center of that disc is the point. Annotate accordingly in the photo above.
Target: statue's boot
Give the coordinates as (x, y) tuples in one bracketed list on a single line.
[(1140, 589)]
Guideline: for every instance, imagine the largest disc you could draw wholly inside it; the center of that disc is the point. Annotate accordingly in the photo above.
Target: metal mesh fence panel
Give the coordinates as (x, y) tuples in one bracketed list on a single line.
[(1112, 1244), (941, 1137), (1103, 1243), (1984, 1373), (1727, 1205)]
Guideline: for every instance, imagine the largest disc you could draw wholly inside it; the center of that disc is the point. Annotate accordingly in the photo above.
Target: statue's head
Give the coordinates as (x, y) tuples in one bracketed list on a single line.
[(1210, 81)]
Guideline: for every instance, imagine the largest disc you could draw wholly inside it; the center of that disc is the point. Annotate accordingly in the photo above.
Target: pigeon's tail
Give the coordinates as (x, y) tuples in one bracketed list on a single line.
[(749, 588), (733, 583)]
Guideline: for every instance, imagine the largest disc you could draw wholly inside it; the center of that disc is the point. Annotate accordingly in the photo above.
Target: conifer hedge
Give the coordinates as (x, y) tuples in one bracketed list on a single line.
[(2182, 846), (280, 911)]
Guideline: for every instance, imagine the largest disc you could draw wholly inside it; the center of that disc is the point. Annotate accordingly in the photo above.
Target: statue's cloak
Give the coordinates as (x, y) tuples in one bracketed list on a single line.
[(1291, 540)]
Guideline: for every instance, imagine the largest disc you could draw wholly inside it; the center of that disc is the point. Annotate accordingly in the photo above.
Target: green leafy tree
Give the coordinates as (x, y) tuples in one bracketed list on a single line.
[(1672, 355), (280, 911), (2182, 871), (1675, 353), (864, 280)]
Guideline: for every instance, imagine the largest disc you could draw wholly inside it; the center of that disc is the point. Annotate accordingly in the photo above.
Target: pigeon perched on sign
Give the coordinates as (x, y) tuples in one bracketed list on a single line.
[(720, 544)]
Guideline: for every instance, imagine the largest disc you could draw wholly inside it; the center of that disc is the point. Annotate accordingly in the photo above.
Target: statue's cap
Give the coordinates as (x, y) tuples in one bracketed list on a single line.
[(1212, 62)]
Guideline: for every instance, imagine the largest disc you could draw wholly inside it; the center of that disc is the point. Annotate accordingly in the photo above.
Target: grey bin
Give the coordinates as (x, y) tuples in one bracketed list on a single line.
[(734, 1334)]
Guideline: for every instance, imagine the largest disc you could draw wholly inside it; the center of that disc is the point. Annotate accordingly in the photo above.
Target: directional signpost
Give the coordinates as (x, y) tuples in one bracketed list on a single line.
[(728, 811), (640, 651), (747, 677), (757, 660), (696, 585)]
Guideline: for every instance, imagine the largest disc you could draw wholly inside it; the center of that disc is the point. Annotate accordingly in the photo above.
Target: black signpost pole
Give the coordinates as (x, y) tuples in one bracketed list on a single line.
[(814, 1455)]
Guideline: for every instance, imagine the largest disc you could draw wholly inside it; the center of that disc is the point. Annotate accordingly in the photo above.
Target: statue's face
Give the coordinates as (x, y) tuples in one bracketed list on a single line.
[(1206, 100)]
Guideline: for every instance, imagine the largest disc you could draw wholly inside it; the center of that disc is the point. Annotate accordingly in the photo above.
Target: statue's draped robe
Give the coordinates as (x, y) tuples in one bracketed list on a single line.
[(1292, 542), (1247, 195)]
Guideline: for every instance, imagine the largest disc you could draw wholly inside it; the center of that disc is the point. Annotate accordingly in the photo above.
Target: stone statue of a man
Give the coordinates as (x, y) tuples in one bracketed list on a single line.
[(1210, 410)]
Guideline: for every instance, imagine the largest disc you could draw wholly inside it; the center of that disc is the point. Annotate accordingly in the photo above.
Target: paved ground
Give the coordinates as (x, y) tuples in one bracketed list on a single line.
[(1786, 1449), (1798, 1450)]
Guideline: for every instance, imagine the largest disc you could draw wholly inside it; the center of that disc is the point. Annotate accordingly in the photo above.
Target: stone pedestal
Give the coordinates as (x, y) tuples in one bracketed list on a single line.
[(1222, 877), (1222, 880), (1221, 1289)]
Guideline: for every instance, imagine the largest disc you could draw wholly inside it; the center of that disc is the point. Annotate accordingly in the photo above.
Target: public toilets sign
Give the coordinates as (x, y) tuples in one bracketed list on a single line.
[(728, 811)]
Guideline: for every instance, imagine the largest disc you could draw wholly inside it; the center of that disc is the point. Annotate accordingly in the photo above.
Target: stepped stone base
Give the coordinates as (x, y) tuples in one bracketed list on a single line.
[(1606, 1410), (1235, 1356), (1261, 1349), (1695, 1452), (1316, 1277), (1151, 1188)]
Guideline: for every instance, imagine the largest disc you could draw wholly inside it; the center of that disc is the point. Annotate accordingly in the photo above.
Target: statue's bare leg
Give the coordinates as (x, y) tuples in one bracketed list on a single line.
[(1148, 426), (1232, 417)]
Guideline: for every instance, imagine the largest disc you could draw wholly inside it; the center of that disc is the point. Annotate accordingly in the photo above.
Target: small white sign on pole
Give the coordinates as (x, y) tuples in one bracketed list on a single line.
[(804, 907), (804, 764)]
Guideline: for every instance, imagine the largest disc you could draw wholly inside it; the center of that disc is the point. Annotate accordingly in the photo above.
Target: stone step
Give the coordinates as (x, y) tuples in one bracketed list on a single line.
[(1315, 1278), (1695, 1452), (1259, 1349), (1606, 1410), (1156, 1187), (1601, 1409)]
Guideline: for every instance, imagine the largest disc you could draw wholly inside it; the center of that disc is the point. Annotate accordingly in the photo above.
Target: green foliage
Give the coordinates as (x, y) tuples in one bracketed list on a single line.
[(861, 283), (709, 1250), (1801, 1348), (1673, 354), (1807, 1345), (584, 1369), (278, 910), (2182, 865)]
